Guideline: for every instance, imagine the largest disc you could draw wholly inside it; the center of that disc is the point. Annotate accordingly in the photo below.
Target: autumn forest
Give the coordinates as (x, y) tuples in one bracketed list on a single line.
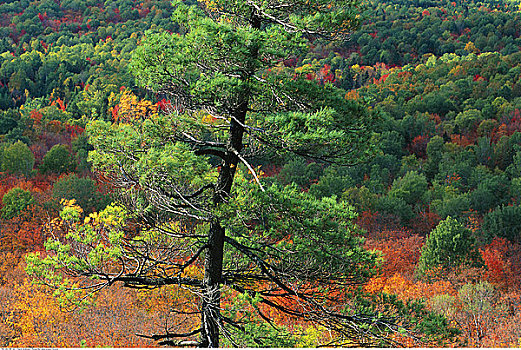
[(261, 173)]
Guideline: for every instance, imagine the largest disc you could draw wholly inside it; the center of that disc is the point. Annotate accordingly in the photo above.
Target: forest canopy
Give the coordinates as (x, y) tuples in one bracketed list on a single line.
[(315, 174)]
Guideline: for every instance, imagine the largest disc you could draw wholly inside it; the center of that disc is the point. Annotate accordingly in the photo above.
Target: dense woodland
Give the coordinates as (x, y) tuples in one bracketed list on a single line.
[(436, 191)]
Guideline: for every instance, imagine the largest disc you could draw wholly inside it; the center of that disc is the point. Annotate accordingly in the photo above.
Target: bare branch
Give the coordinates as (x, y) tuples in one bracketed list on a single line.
[(250, 168), (170, 335)]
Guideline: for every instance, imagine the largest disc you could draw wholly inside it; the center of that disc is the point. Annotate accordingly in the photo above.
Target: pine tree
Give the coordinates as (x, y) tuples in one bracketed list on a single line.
[(194, 196), (450, 245)]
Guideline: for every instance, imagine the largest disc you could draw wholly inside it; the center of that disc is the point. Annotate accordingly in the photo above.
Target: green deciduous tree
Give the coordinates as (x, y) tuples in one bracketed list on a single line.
[(411, 187), (491, 192), (15, 202), (203, 218), (58, 160), (434, 154), (468, 120), (18, 159), (395, 206), (81, 147), (453, 204), (81, 189), (9, 120)]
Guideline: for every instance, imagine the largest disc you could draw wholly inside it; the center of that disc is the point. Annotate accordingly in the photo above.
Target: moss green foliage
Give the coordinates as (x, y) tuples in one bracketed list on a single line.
[(9, 120), (452, 204), (503, 222), (396, 207), (299, 172), (58, 160), (15, 202), (411, 187), (81, 147), (360, 198), (83, 190), (18, 159), (450, 245)]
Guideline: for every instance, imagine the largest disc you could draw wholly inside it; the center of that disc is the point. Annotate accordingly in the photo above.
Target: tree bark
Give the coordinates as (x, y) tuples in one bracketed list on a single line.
[(213, 266), (210, 310)]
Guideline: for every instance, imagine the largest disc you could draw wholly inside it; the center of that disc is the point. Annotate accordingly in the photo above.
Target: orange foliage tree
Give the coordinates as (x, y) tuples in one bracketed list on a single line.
[(35, 318)]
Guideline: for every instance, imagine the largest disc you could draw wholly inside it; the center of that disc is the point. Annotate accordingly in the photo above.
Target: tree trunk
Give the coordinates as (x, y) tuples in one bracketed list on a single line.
[(213, 266)]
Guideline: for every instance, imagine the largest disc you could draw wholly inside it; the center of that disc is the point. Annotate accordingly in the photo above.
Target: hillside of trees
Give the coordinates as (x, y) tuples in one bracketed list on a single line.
[(404, 230)]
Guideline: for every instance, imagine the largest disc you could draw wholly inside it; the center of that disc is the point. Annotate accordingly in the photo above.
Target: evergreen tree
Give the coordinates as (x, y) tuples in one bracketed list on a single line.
[(450, 245), (190, 186), (18, 159), (503, 222), (58, 160)]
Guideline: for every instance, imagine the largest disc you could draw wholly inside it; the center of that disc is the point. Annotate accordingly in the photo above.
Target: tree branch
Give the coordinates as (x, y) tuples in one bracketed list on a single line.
[(145, 282), (170, 335), (249, 168)]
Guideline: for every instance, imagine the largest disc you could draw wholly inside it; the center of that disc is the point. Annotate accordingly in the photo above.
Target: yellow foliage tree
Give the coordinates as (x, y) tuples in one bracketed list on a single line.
[(471, 48)]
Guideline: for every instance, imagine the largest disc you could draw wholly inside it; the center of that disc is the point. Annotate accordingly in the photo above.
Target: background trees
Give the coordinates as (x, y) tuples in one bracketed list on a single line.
[(449, 245), (502, 222), (81, 189), (58, 160), (18, 159), (15, 202), (442, 76)]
